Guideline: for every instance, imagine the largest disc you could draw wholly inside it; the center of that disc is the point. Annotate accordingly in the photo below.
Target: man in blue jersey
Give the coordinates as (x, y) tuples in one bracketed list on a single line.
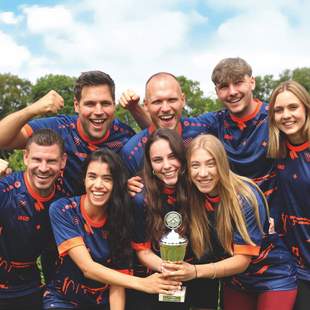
[(164, 102), (24, 223), (92, 128)]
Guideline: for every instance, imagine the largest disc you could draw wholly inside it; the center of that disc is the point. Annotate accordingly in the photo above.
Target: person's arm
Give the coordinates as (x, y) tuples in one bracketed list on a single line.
[(153, 284), (11, 127), (130, 101), (184, 271), (117, 297), (150, 260)]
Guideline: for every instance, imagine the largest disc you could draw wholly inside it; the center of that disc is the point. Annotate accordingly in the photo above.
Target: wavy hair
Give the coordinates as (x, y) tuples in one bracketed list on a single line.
[(276, 144), (119, 210), (232, 189), (154, 186)]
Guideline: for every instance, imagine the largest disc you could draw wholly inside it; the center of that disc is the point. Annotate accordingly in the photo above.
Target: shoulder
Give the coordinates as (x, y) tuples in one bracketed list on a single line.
[(64, 206), (138, 140), (118, 125), (12, 183)]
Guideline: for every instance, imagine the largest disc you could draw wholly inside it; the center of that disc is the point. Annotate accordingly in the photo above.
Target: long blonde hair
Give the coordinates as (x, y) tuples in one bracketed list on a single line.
[(232, 189), (276, 144)]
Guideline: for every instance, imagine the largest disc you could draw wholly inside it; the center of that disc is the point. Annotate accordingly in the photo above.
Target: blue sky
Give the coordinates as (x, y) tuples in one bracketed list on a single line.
[(135, 38)]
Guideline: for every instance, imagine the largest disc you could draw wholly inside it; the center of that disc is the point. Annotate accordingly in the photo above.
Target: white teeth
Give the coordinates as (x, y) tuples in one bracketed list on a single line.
[(166, 117), (97, 121), (98, 194)]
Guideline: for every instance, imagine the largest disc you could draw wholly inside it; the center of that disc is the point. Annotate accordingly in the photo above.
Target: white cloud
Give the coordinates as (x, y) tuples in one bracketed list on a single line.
[(12, 55), (133, 39), (43, 20), (9, 18)]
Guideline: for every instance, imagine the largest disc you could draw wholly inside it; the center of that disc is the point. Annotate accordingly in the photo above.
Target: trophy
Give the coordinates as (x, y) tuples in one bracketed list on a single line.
[(173, 249)]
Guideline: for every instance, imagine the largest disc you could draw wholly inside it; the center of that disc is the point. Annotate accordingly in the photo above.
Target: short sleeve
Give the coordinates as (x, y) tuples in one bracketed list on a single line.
[(140, 241), (239, 244), (65, 231)]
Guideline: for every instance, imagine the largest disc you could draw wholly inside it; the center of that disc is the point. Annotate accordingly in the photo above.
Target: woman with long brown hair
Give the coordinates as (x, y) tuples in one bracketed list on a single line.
[(164, 190), (289, 144), (229, 218)]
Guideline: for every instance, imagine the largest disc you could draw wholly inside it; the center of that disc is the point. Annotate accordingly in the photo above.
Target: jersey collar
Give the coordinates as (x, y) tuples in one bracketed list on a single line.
[(152, 128), (210, 202), (294, 149), (36, 196), (241, 121), (88, 220)]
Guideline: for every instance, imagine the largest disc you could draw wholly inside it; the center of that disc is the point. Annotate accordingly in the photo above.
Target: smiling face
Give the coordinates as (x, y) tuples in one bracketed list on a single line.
[(290, 116), (164, 163), (237, 95), (98, 184), (204, 172), (96, 110), (164, 101), (43, 166)]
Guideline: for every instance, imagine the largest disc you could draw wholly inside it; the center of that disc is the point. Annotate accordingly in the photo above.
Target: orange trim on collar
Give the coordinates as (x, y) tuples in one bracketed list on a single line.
[(168, 190), (34, 194), (152, 128), (86, 138), (294, 149), (88, 220), (208, 206), (215, 199), (241, 121)]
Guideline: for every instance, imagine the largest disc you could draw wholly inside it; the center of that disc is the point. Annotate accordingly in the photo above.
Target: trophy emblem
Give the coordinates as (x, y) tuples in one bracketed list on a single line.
[(173, 249)]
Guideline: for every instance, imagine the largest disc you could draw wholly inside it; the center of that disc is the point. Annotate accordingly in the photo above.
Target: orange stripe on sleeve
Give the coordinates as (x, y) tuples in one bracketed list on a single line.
[(125, 271), (141, 246), (246, 249), (27, 130), (64, 247)]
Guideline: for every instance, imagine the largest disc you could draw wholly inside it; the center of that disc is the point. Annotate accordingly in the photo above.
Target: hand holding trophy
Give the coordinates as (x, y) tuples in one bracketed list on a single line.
[(173, 249)]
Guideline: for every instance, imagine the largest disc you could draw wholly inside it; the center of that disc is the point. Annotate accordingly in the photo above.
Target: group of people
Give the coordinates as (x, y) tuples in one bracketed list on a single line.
[(240, 178)]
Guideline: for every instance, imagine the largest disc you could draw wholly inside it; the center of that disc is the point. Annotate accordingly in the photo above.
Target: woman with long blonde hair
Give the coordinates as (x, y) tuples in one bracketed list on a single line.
[(289, 144), (229, 220)]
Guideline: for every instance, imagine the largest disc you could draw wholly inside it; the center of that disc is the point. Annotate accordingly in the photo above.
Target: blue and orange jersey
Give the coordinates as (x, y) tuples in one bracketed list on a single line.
[(133, 152), (245, 141), (141, 240), (293, 175), (78, 145), (24, 233), (272, 266), (72, 227)]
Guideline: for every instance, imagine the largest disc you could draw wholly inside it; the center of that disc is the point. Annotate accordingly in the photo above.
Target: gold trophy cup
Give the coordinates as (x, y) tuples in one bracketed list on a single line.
[(173, 249)]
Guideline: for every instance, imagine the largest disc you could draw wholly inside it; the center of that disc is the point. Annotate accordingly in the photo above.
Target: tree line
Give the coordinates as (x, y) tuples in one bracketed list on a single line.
[(16, 93)]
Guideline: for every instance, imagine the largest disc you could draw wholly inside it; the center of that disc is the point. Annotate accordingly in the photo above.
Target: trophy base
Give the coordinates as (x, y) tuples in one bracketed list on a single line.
[(178, 296)]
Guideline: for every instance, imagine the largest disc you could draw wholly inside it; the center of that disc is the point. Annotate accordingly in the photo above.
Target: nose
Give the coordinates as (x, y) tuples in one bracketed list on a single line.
[(232, 90), (166, 163), (98, 183), (43, 167), (165, 107), (203, 171), (98, 109), (286, 113)]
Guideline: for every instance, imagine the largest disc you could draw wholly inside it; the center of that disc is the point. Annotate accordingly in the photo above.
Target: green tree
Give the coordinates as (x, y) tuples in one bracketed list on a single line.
[(264, 86), (14, 93), (126, 118), (63, 84), (196, 102), (302, 76), (16, 160)]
